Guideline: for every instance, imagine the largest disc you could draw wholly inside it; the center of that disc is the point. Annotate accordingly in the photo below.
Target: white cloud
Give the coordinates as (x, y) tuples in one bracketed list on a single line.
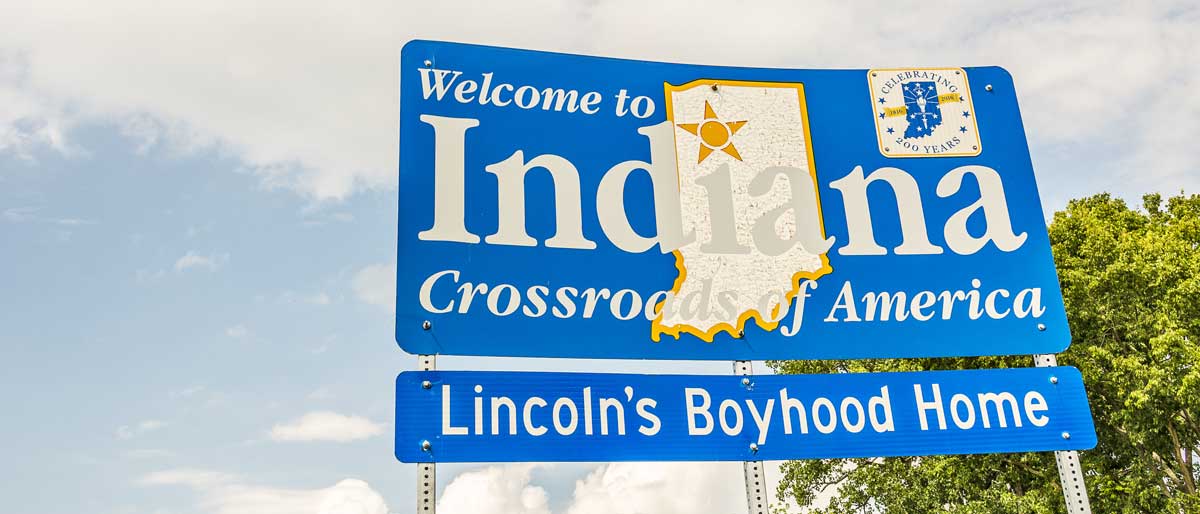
[(197, 478), (616, 488), (261, 83), (494, 490), (144, 427), (662, 488), (194, 260), (190, 261), (28, 117), (326, 426), (223, 493), (18, 214), (376, 285), (30, 215), (1105, 88), (238, 331)]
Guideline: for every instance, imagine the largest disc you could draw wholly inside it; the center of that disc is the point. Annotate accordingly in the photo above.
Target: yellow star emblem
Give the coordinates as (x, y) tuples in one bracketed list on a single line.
[(714, 134)]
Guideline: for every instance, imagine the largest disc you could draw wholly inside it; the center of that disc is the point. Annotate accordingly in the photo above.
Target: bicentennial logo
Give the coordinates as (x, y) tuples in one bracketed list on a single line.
[(924, 112)]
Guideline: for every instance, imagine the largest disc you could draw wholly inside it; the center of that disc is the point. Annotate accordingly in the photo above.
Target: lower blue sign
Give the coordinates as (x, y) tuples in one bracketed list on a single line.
[(466, 416)]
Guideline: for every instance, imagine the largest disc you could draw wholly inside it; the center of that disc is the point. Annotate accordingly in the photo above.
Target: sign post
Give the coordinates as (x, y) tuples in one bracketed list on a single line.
[(1070, 471), (756, 477), (566, 206), (426, 471)]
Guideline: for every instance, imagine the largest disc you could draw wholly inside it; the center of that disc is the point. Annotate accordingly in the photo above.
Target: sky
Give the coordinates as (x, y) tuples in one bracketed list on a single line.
[(198, 222)]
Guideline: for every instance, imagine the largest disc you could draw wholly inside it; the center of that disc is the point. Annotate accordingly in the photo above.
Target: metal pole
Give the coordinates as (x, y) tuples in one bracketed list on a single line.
[(426, 473), (756, 479), (1070, 473)]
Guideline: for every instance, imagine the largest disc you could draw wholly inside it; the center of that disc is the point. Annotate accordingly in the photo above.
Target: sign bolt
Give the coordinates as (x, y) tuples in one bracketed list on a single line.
[(426, 445), (1066, 435), (987, 87), (746, 381), (425, 384), (428, 62), (714, 87), (426, 325), (754, 447), (1041, 327), (1053, 380)]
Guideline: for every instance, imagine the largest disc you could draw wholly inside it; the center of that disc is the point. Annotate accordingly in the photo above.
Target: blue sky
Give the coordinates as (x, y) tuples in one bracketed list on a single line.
[(197, 224)]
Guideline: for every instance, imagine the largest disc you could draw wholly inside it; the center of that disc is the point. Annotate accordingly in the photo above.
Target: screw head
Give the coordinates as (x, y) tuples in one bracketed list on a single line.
[(746, 381), (714, 87), (428, 62), (1053, 380), (426, 325), (987, 87), (1041, 327), (754, 447), (426, 446), (425, 384), (1066, 435)]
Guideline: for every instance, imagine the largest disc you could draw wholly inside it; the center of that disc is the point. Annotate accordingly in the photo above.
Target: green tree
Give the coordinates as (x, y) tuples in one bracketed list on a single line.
[(1131, 282)]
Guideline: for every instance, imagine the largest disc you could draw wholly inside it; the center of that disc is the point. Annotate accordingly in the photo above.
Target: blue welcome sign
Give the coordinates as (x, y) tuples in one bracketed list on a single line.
[(566, 206), (464, 416)]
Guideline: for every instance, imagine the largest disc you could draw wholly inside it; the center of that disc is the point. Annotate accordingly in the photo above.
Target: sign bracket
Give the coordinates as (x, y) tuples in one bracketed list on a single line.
[(1070, 472), (426, 471), (756, 478)]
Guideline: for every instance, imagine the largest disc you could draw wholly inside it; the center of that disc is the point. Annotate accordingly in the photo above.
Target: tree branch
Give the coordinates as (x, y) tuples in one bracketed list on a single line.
[(1184, 466), (1166, 468)]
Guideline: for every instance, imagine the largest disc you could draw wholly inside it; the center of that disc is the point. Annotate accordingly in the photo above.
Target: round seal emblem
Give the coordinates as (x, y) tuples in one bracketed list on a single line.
[(924, 112)]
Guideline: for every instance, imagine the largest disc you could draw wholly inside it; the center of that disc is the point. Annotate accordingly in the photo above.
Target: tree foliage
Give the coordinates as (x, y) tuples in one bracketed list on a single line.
[(1131, 282)]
